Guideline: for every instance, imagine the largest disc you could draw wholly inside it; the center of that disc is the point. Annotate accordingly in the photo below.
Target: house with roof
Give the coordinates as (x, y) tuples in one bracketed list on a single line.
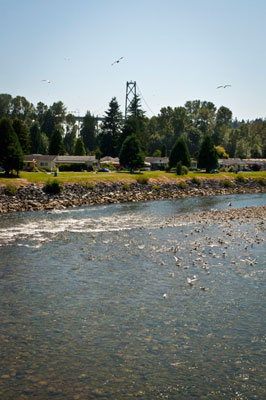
[(50, 162), (157, 162), (90, 161), (246, 164), (39, 161)]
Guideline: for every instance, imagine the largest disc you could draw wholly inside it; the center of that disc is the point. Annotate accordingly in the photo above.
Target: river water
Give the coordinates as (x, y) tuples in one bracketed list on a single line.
[(95, 303)]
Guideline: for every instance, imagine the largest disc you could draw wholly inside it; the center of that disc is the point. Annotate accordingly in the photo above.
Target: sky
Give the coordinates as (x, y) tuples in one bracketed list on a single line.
[(175, 50)]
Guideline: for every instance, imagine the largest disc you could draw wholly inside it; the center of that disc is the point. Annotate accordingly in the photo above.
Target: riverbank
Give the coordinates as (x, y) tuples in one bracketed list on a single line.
[(32, 197)]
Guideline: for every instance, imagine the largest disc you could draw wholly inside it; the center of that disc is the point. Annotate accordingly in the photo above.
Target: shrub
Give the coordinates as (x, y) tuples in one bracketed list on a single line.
[(53, 187), (89, 185), (182, 185), (11, 190), (143, 180), (167, 168), (261, 181), (181, 169), (109, 166), (231, 169), (196, 180), (126, 187), (156, 187), (78, 167), (240, 178), (227, 183)]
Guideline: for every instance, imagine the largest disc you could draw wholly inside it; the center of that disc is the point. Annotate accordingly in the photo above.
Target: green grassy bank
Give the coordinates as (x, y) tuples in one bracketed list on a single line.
[(152, 176)]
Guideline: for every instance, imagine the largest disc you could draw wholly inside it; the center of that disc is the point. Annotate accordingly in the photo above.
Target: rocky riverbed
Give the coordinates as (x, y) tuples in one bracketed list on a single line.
[(32, 197)]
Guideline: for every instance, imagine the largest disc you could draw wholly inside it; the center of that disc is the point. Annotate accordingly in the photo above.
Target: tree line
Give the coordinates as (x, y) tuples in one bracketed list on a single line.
[(43, 129)]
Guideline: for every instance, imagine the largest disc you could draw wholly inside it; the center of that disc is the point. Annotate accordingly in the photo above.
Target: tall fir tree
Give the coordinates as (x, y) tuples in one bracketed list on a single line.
[(111, 130), (56, 146), (131, 155), (11, 154), (22, 134), (79, 147), (88, 132), (179, 153), (208, 157)]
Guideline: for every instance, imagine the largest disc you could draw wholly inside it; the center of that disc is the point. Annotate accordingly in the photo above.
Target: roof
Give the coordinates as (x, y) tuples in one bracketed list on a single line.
[(39, 157), (157, 160), (109, 159), (75, 159), (239, 161), (229, 161)]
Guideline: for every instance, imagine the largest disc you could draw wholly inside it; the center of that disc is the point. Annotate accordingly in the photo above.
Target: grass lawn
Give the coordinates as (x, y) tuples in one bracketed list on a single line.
[(90, 177)]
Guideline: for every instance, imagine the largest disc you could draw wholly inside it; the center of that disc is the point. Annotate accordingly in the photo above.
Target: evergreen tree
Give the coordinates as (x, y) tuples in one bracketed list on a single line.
[(208, 157), (131, 156), (56, 146), (88, 132), (111, 130), (22, 134), (35, 139), (135, 124), (11, 154), (179, 153), (79, 147), (69, 142)]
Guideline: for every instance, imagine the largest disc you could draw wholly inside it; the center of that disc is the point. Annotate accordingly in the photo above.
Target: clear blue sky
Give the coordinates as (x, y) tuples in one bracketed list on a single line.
[(175, 50)]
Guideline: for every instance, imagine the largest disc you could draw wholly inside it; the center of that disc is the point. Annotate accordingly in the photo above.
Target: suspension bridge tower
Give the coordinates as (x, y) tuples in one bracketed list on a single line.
[(131, 93)]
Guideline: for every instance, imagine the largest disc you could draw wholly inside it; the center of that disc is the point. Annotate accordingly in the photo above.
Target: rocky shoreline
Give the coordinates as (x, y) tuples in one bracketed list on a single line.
[(32, 196)]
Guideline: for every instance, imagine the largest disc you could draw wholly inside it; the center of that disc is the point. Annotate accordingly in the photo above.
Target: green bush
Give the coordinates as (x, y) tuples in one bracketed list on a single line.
[(156, 187), (89, 185), (181, 169), (75, 167), (11, 190), (227, 183), (196, 180), (182, 185), (109, 166), (53, 187), (126, 187), (240, 178), (261, 181), (143, 180)]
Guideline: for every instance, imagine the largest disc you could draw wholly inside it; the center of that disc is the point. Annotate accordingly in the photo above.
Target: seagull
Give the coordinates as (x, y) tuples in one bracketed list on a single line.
[(223, 86), (191, 281), (117, 61), (46, 80)]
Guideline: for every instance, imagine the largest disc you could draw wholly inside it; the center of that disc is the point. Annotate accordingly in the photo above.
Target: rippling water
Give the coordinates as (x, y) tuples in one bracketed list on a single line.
[(95, 303)]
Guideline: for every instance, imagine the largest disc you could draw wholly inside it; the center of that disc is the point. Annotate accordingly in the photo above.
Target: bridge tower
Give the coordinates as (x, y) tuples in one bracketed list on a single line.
[(131, 93)]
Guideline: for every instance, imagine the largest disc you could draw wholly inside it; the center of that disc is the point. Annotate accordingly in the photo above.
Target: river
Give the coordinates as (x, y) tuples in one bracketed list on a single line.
[(113, 302)]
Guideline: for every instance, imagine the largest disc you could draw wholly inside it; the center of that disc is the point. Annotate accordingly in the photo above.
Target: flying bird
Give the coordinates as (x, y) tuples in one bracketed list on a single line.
[(117, 61), (46, 80), (223, 86)]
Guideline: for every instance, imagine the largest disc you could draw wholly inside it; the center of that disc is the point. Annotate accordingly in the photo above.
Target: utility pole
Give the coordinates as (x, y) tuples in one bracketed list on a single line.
[(131, 93)]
